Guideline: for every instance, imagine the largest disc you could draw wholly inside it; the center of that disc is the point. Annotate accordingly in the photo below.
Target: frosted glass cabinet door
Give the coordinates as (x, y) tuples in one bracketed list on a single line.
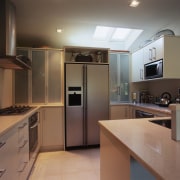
[(119, 77), (54, 76), (38, 76), (21, 82)]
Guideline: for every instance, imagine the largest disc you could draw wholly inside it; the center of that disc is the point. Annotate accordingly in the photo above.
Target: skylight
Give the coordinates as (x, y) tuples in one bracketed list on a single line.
[(120, 34), (111, 34), (102, 32)]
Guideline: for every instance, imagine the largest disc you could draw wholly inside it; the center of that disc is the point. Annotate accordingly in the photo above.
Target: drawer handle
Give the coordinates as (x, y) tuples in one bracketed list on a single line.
[(23, 167), (25, 142), (2, 144), (20, 127), (2, 171)]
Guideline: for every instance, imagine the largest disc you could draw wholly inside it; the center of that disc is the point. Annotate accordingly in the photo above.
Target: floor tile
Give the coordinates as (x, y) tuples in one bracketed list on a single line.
[(67, 165)]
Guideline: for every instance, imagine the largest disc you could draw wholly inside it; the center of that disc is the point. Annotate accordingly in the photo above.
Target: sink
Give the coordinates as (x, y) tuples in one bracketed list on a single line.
[(162, 122)]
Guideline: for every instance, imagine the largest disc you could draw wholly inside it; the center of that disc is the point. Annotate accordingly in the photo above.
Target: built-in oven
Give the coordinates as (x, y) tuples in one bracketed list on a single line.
[(33, 134)]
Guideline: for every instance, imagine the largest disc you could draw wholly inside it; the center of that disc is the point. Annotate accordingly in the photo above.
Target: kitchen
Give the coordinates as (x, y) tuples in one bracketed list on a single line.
[(155, 87)]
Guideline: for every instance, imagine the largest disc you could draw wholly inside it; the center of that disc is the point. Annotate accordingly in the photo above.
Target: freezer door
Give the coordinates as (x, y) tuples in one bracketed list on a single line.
[(74, 105), (97, 100), (74, 126)]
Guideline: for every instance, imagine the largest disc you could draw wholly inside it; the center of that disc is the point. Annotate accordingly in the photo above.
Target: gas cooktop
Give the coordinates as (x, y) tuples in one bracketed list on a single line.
[(14, 110)]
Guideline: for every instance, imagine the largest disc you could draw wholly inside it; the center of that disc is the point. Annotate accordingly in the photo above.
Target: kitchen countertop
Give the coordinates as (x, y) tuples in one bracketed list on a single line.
[(8, 122), (153, 107), (148, 143)]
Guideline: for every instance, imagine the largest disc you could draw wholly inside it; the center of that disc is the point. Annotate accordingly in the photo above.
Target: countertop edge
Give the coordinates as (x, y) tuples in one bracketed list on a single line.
[(152, 146)]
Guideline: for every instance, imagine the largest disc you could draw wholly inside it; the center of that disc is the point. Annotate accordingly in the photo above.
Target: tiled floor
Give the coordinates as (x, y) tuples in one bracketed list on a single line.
[(67, 165)]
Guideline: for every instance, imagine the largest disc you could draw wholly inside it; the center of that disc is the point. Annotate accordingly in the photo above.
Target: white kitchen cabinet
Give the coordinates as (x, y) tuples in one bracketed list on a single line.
[(23, 149), (137, 66), (171, 56), (52, 128), (120, 112), (8, 155), (166, 48), (14, 153), (153, 51)]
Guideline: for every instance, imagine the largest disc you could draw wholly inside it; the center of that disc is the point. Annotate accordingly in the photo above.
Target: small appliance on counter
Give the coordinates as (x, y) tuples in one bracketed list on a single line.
[(165, 99), (145, 97), (134, 97)]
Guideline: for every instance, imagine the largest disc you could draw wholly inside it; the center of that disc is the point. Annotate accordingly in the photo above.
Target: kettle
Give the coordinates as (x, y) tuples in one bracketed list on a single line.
[(165, 99)]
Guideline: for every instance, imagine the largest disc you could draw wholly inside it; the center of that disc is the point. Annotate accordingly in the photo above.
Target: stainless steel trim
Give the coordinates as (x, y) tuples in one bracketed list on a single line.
[(35, 125), (85, 104)]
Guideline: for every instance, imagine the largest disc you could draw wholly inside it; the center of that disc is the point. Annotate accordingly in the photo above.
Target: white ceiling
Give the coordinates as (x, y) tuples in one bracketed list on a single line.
[(37, 20)]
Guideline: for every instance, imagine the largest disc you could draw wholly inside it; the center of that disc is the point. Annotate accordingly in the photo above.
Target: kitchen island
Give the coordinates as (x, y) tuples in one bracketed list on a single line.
[(149, 144)]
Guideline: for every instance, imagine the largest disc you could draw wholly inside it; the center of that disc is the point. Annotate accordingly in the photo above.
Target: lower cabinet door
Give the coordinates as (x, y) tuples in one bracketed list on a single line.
[(52, 128)]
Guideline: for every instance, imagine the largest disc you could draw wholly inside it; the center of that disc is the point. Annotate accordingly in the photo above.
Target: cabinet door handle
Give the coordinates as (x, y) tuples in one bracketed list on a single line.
[(2, 171), (150, 54), (154, 53), (119, 90), (141, 74), (2, 144), (21, 127)]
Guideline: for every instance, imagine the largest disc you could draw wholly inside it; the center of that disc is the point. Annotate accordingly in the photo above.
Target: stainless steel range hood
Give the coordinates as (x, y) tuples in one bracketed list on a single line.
[(8, 58)]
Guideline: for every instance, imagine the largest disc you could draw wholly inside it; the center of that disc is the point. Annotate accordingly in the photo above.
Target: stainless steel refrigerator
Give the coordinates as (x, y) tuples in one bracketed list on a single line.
[(86, 102)]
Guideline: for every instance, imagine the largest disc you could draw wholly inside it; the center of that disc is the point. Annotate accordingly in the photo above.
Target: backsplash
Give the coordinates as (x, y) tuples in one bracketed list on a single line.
[(5, 87), (157, 87)]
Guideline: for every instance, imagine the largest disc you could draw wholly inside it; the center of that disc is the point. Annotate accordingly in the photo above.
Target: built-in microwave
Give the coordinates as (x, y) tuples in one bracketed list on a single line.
[(153, 69)]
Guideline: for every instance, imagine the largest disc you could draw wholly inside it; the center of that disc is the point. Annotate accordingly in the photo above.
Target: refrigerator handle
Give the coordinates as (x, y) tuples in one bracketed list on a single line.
[(85, 104)]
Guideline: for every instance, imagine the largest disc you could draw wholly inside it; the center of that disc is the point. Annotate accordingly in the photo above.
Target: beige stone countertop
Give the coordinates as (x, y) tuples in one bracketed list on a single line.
[(144, 106), (148, 143), (8, 122)]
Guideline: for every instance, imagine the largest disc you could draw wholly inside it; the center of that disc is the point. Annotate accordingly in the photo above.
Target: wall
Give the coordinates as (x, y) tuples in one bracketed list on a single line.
[(170, 85), (5, 88), (157, 87)]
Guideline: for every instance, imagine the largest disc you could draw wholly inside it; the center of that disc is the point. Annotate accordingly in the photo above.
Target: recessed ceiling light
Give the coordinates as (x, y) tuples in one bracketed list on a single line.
[(59, 30), (134, 3)]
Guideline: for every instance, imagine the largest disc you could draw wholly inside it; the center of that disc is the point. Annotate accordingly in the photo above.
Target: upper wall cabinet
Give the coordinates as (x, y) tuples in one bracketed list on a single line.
[(43, 84), (86, 54), (137, 70), (153, 51), (166, 48)]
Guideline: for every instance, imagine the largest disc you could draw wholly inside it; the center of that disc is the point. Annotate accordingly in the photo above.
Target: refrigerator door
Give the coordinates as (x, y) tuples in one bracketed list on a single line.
[(97, 100), (74, 105)]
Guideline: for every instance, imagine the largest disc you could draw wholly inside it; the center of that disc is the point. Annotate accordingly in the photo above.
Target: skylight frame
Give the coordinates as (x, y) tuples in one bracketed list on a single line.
[(107, 35)]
